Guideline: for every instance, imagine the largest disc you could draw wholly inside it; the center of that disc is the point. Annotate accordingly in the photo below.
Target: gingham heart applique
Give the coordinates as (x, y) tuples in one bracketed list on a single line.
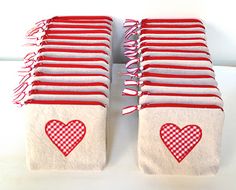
[(65, 136), (180, 141)]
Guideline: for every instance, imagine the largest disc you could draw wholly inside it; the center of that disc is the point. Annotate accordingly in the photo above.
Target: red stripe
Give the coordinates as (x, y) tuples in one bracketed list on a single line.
[(178, 94), (40, 83), (46, 58), (45, 37), (66, 102), (41, 74), (78, 26), (176, 67), (73, 44), (160, 38), (144, 50), (148, 83), (146, 25), (148, 74), (181, 106), (82, 17), (77, 32), (65, 50), (146, 31), (172, 44), (148, 58), (65, 92), (70, 66), (80, 21), (171, 20)]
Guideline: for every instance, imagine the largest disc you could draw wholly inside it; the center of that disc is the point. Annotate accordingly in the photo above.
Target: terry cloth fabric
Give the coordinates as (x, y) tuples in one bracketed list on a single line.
[(180, 109), (65, 89)]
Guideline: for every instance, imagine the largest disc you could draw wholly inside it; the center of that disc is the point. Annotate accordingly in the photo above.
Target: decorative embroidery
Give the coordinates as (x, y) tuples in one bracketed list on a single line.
[(65, 136), (180, 142)]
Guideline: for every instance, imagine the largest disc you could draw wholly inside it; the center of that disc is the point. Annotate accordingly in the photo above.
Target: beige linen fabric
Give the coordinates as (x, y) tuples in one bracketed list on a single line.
[(89, 154), (155, 158)]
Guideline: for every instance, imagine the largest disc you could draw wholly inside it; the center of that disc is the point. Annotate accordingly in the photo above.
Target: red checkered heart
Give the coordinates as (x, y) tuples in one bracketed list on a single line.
[(180, 142), (65, 136)]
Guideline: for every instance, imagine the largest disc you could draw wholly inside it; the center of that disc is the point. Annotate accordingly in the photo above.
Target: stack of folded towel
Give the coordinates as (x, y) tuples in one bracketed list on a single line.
[(66, 91), (180, 109)]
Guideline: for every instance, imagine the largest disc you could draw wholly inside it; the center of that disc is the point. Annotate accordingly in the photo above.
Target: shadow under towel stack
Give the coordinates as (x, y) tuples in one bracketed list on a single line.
[(67, 92), (180, 107)]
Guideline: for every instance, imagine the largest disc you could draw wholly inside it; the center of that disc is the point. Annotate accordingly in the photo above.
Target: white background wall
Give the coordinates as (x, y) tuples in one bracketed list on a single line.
[(17, 16)]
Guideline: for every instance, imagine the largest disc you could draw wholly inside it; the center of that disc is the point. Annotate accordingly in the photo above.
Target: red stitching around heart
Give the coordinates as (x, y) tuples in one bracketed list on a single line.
[(180, 142), (65, 136)]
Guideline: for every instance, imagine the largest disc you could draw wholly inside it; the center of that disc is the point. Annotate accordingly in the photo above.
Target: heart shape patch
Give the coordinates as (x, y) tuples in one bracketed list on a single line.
[(65, 136), (180, 141)]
